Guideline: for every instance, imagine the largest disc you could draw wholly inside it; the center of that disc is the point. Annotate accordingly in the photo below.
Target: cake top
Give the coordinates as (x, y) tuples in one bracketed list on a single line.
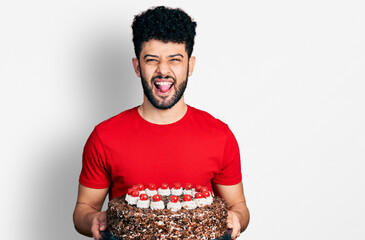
[(173, 197)]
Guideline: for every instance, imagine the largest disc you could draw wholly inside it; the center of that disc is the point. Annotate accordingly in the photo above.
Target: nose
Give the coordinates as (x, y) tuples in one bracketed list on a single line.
[(163, 68)]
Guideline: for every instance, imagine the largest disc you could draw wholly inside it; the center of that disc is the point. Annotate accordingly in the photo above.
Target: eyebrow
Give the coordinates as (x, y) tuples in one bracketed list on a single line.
[(150, 55), (171, 56), (176, 55)]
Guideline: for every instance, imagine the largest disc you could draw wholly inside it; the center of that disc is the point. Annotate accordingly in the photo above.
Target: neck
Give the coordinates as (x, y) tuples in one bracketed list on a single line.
[(162, 116)]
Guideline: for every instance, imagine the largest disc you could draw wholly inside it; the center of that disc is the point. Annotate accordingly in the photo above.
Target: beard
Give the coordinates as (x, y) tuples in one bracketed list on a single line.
[(163, 103)]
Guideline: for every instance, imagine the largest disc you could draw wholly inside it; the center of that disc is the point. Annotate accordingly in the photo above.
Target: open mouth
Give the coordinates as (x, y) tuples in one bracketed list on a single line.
[(163, 86)]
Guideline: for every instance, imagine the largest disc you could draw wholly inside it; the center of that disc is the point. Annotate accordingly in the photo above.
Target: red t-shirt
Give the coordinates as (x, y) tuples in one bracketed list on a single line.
[(126, 150)]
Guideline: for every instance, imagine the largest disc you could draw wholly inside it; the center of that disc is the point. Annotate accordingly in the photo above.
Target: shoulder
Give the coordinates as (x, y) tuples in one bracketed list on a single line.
[(121, 120), (205, 119)]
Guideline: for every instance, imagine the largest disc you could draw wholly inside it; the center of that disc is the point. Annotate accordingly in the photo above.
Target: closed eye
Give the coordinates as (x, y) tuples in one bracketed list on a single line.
[(150, 60)]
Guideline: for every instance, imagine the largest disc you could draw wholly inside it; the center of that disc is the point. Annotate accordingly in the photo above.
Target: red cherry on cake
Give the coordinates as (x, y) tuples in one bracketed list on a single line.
[(143, 197), (135, 187), (206, 194), (188, 186), (156, 198), (198, 187), (135, 193), (140, 187), (130, 190), (174, 199), (198, 195), (152, 187), (187, 198), (177, 185), (203, 189), (164, 186)]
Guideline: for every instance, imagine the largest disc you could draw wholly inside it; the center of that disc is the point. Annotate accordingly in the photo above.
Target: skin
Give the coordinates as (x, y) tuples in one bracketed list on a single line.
[(168, 60), (238, 214), (87, 217)]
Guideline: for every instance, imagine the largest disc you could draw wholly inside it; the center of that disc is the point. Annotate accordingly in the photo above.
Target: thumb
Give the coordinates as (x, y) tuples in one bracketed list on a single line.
[(229, 225), (229, 220), (102, 221), (103, 225)]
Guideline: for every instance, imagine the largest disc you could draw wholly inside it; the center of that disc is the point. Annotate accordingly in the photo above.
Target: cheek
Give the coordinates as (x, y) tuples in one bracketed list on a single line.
[(180, 72), (148, 72)]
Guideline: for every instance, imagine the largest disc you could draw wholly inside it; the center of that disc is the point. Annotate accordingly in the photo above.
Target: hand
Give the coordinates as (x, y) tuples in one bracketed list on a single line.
[(98, 224), (233, 223)]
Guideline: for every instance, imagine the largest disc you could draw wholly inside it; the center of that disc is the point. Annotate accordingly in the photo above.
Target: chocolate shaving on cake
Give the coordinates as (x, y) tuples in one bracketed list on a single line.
[(129, 222)]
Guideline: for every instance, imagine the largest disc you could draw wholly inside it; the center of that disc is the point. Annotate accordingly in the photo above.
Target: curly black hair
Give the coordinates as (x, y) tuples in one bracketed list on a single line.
[(165, 24)]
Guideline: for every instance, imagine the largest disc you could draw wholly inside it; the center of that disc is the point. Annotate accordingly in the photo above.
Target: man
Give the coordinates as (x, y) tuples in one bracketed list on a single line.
[(164, 139)]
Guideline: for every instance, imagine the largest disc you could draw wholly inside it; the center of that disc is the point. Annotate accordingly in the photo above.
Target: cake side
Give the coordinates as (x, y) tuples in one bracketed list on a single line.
[(129, 222)]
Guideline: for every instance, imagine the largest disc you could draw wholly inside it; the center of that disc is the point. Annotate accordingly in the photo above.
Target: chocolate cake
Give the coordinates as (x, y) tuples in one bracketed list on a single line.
[(202, 221)]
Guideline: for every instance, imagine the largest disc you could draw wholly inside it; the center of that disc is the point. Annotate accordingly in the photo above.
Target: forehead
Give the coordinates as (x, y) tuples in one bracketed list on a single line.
[(160, 48)]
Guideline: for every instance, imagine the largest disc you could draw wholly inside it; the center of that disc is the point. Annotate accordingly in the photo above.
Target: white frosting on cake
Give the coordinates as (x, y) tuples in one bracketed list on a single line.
[(150, 193), (209, 199), (157, 205), (177, 192), (174, 206), (189, 205), (194, 203), (201, 202), (143, 203), (131, 200), (189, 191), (128, 197), (164, 192)]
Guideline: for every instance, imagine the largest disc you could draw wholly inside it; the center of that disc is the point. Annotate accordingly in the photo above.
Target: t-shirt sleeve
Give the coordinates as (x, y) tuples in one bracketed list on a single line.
[(230, 173), (94, 172)]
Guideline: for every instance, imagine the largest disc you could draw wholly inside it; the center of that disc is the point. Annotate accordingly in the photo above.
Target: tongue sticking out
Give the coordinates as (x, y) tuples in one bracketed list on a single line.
[(164, 88)]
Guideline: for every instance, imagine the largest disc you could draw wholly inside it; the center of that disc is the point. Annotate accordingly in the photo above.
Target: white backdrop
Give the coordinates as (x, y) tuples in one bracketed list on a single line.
[(287, 76)]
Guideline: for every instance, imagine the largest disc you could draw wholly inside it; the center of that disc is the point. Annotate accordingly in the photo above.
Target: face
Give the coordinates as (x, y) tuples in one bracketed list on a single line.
[(164, 69)]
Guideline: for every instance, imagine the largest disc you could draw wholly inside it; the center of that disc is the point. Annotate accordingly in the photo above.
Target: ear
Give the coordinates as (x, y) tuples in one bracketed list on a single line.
[(191, 65), (136, 67)]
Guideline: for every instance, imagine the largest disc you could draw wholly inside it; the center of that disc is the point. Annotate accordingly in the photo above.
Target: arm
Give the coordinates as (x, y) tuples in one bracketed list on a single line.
[(87, 217), (238, 214)]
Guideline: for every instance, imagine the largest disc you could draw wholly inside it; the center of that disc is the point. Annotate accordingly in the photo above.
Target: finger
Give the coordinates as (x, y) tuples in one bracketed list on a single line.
[(236, 232), (95, 230), (229, 221), (229, 225), (102, 226), (96, 234), (102, 221)]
